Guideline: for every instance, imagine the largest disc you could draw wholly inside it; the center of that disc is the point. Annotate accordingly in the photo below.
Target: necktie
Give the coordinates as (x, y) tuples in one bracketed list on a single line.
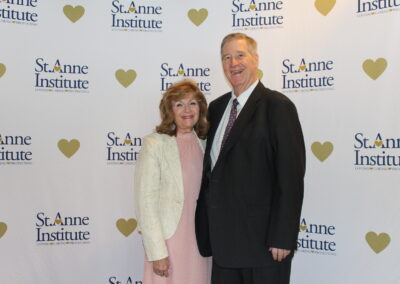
[(232, 118)]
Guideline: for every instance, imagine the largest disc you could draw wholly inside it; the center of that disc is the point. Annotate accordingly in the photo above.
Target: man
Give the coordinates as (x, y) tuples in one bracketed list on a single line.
[(249, 206)]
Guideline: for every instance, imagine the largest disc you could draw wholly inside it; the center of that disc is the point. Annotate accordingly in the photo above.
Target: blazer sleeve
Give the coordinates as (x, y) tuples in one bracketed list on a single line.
[(289, 164), (147, 192)]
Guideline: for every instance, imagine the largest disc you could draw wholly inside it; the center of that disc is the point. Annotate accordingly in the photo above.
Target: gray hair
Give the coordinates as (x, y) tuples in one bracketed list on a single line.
[(251, 43)]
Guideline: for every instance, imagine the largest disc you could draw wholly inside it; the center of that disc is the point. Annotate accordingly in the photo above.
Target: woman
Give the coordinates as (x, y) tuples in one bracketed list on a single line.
[(167, 184)]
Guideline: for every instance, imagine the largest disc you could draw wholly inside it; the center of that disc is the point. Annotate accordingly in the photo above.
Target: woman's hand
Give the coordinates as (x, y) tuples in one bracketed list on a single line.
[(160, 267)]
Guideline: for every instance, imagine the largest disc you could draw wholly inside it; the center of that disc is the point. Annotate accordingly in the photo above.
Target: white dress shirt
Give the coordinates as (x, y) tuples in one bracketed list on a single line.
[(219, 134)]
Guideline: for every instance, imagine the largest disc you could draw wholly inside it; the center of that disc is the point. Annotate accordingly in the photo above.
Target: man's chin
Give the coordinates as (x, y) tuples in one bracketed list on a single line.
[(236, 83)]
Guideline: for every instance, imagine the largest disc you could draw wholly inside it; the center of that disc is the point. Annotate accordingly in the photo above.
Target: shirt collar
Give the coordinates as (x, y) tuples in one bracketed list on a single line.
[(242, 99)]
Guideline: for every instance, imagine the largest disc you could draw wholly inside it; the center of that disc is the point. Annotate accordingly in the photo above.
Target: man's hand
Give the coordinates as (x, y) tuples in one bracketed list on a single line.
[(160, 267), (279, 254)]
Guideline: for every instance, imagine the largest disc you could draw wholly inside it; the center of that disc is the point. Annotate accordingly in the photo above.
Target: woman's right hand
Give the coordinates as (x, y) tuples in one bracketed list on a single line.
[(161, 267)]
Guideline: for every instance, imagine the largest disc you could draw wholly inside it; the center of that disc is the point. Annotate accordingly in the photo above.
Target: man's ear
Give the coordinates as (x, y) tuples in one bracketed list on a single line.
[(256, 58)]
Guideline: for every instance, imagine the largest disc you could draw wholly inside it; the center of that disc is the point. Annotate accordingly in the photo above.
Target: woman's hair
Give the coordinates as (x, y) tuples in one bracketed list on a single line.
[(175, 93)]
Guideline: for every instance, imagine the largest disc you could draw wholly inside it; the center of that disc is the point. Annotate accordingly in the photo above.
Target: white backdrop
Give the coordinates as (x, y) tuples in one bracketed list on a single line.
[(80, 84)]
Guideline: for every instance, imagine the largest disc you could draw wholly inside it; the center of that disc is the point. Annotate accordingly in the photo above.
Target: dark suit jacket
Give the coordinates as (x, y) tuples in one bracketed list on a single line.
[(252, 199)]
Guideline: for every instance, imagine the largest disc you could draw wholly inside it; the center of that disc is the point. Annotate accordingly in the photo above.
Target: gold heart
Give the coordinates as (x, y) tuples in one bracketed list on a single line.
[(73, 13), (260, 74), (374, 69), (302, 67), (125, 78), (378, 143), (377, 242), (68, 148), (3, 229), (2, 69), (132, 9), (181, 72), (128, 141), (57, 221), (197, 17), (252, 7), (303, 227), (324, 6), (57, 68), (126, 227), (322, 151)]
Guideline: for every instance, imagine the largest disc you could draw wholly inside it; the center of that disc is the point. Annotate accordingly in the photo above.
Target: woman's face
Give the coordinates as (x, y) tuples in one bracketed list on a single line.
[(186, 113)]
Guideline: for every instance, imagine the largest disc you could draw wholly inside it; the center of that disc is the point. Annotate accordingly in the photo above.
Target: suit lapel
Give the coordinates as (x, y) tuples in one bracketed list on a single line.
[(215, 118), (243, 119)]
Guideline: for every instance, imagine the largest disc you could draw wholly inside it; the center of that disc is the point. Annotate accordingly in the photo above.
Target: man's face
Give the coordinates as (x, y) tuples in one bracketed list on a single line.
[(240, 66)]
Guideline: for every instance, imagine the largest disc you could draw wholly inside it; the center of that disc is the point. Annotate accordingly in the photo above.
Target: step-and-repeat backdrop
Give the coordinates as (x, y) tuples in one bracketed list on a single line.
[(80, 84)]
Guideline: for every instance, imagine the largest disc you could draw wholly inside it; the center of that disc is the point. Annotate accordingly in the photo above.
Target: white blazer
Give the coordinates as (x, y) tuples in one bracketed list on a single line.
[(158, 192)]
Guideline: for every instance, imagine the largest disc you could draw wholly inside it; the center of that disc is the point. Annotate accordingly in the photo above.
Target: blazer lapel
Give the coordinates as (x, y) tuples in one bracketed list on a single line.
[(172, 158), (202, 144)]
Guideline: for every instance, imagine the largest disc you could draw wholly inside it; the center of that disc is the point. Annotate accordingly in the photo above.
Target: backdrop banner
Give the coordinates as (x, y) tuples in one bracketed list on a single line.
[(80, 85)]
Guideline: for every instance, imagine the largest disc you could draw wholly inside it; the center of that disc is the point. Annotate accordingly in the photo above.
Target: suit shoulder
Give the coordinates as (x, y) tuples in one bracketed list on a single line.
[(275, 96), (277, 99), (220, 99)]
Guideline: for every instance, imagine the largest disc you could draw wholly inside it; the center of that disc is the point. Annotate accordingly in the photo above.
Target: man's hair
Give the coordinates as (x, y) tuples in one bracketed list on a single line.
[(251, 43)]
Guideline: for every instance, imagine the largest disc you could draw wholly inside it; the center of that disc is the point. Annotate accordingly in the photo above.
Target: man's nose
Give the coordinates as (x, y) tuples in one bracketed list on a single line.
[(234, 61)]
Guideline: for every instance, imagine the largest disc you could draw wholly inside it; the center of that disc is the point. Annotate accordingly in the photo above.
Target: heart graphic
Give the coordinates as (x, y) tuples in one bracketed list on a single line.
[(126, 227), (302, 67), (303, 227), (374, 69), (57, 221), (2, 69), (324, 6), (73, 13), (378, 143), (128, 141), (197, 17), (57, 68), (260, 74), (68, 148), (377, 242), (322, 151), (252, 7), (125, 78), (3, 229), (181, 72)]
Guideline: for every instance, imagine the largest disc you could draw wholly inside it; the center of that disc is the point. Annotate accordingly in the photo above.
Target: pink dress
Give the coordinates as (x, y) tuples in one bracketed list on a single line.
[(187, 266)]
